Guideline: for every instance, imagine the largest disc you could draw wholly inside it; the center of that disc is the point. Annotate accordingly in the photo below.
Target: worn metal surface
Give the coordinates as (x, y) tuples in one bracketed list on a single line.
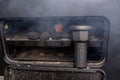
[(107, 8), (1, 78), (50, 73)]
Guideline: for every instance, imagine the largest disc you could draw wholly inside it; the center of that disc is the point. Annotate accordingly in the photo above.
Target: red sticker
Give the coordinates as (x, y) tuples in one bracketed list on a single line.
[(59, 28)]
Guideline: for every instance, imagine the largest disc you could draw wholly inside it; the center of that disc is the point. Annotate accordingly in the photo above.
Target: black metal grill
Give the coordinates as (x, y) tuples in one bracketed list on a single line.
[(54, 42), (18, 74)]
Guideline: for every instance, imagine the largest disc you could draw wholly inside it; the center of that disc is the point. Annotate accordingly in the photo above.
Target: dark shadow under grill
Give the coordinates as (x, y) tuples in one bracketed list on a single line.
[(46, 54)]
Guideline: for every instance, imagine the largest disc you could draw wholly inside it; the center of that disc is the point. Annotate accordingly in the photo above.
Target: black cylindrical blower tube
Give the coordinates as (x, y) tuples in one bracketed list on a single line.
[(80, 35), (81, 55)]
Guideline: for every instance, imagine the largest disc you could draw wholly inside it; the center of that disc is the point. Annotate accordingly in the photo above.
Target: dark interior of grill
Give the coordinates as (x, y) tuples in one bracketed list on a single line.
[(21, 74), (50, 38)]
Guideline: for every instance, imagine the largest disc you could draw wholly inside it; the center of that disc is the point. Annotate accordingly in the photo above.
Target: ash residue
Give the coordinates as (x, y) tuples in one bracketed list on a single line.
[(58, 54), (52, 75)]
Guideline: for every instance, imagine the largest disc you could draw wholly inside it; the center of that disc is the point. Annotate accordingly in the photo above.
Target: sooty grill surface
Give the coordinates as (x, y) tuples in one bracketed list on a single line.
[(57, 54), (17, 74)]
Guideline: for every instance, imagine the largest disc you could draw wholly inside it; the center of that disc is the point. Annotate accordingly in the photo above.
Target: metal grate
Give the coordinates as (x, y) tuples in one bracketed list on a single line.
[(52, 75)]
